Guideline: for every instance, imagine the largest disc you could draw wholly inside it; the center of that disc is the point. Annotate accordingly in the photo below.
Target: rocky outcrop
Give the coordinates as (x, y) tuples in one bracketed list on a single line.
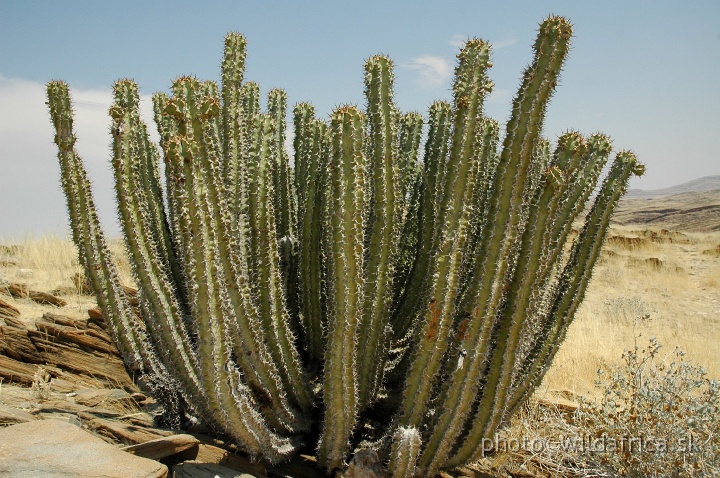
[(8, 310), (163, 447), (21, 291), (692, 211), (72, 351)]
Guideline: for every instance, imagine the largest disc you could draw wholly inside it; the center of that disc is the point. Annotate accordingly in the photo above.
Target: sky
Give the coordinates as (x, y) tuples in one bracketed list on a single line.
[(643, 72)]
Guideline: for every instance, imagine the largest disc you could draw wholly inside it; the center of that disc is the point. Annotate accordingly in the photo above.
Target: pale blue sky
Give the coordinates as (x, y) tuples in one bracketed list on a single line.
[(644, 72)]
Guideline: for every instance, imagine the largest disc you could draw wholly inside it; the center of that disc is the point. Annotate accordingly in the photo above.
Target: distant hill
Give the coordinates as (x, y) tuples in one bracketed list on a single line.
[(707, 183), (697, 211)]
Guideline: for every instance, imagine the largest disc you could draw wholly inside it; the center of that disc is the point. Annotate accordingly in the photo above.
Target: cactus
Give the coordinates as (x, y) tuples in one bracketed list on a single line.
[(356, 295)]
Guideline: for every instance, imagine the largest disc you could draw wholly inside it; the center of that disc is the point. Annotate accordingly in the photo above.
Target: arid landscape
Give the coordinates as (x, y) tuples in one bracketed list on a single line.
[(658, 277)]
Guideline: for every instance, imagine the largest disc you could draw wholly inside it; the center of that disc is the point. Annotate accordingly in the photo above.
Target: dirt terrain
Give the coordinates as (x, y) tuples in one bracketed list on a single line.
[(688, 212), (659, 276)]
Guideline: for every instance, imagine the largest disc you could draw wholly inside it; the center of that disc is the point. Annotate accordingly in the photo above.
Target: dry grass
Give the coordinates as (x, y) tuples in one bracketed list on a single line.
[(48, 264), (674, 278), (663, 275)]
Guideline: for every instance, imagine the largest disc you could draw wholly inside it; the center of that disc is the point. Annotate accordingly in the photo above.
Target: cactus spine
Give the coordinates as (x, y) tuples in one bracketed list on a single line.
[(355, 283)]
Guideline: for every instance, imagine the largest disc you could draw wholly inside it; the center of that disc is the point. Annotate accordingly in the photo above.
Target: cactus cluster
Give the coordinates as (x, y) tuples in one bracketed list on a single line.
[(365, 293)]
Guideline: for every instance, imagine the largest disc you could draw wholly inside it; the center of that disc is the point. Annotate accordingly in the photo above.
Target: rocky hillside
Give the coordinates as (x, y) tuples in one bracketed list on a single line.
[(707, 183), (688, 211)]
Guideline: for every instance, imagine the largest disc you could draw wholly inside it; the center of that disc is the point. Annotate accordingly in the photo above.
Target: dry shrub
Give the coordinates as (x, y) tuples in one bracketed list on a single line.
[(714, 252), (40, 387), (657, 416), (654, 416)]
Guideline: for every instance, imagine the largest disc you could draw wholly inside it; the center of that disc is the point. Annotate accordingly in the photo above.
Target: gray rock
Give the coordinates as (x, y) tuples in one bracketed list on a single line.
[(53, 448), (191, 469), (366, 464)]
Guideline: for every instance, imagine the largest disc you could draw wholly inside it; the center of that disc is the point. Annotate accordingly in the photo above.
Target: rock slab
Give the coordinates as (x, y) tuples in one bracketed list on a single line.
[(162, 447), (53, 448)]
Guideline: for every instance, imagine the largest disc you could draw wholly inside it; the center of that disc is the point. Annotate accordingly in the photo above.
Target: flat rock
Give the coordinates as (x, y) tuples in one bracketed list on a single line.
[(119, 432), (73, 350), (366, 464), (206, 453), (11, 415), (53, 448), (162, 447)]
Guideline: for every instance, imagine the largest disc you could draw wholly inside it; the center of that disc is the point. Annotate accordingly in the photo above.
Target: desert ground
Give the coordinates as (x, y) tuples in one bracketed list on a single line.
[(650, 282), (670, 277)]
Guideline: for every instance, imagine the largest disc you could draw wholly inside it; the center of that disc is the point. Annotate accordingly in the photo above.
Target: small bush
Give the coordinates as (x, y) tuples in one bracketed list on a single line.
[(40, 387), (658, 416)]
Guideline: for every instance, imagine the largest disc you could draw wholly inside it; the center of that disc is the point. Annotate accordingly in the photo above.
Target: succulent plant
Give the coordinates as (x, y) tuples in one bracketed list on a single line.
[(364, 293)]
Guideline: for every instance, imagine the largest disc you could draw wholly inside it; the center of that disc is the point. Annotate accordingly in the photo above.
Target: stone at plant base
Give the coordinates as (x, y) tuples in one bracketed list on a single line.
[(365, 464), (11, 415), (210, 454), (205, 470), (59, 449)]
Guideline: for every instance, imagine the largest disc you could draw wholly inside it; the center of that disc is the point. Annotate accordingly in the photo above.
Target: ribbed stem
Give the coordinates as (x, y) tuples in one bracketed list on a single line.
[(410, 133), (233, 132), (94, 254), (267, 280), (310, 173), (506, 209), (150, 267), (412, 171), (345, 283), (412, 295), (464, 382), (470, 87), (405, 452), (198, 152), (284, 202), (573, 281), (383, 231)]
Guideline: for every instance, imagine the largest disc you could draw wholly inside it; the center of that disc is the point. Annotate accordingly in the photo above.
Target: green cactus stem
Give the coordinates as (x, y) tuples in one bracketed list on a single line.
[(383, 231), (470, 87), (346, 283), (311, 147)]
